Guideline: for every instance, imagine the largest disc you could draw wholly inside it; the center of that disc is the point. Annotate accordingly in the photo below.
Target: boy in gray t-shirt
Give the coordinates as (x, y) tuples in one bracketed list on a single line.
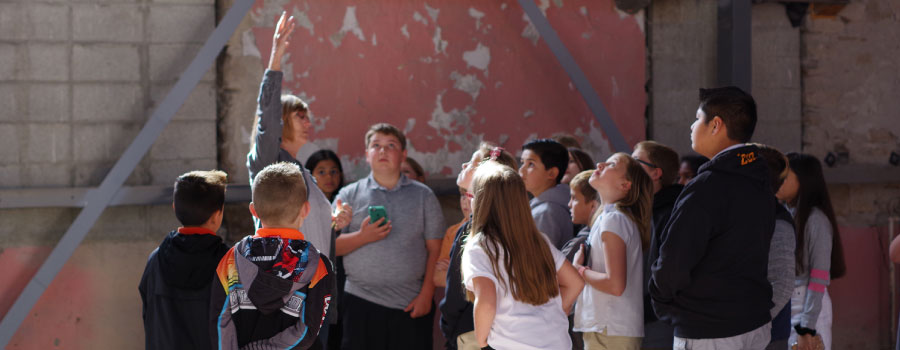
[(389, 263)]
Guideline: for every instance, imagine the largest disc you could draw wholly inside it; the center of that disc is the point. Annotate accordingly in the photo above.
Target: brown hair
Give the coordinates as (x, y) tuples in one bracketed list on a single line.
[(386, 129), (778, 165), (278, 192), (580, 183), (503, 224), (290, 104), (663, 157), (197, 195), (638, 202), (566, 140), (416, 167)]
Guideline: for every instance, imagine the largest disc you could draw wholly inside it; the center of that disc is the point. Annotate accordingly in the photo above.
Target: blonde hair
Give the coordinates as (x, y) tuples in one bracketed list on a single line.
[(638, 202), (278, 193), (580, 184), (502, 222)]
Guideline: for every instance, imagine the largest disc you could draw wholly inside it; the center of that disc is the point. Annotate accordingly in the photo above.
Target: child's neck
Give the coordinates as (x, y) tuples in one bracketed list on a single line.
[(292, 147), (387, 180), (537, 192)]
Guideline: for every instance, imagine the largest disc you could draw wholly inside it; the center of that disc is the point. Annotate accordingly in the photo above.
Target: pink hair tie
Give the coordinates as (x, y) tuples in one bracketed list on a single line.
[(495, 153)]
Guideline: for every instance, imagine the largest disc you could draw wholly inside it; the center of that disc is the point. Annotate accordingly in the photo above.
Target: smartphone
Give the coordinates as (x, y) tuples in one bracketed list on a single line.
[(376, 212)]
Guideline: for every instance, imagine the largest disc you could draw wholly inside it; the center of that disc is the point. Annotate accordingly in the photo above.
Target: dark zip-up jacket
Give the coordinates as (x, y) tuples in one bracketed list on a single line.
[(272, 291), (456, 311), (710, 280), (663, 203), (175, 290)]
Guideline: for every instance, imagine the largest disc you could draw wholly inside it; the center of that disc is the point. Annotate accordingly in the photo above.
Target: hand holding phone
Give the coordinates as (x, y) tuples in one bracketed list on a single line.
[(376, 212)]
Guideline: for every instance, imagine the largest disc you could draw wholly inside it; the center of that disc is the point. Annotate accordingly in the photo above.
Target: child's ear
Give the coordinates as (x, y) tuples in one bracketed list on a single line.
[(626, 186), (304, 210), (253, 211), (552, 173), (657, 173)]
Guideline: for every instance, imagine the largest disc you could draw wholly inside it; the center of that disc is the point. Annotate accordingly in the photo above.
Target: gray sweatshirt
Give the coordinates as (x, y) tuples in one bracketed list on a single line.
[(551, 215), (817, 276), (267, 150), (782, 264)]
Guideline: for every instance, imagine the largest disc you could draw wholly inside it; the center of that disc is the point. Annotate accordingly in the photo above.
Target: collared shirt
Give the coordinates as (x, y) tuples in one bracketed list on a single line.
[(389, 272)]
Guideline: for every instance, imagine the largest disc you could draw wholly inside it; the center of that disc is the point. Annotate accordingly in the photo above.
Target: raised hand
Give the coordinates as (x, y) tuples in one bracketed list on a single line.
[(342, 215), (281, 40)]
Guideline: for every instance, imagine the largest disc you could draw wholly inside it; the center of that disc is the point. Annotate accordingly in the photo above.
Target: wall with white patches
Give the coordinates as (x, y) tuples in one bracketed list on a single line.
[(449, 73)]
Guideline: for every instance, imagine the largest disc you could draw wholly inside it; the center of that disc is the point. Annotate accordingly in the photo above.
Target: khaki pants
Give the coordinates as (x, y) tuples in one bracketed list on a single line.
[(756, 339), (602, 341), (467, 341)]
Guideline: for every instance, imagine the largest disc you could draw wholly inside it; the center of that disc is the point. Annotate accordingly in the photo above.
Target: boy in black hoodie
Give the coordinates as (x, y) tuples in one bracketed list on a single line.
[(710, 280), (176, 282), (272, 290)]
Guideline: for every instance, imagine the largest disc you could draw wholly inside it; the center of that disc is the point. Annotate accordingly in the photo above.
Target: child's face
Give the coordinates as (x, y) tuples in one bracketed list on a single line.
[(465, 203), (299, 125), (327, 175), (407, 170), (385, 153), (685, 173), (609, 179), (580, 208), (788, 190), (537, 178), (467, 173), (571, 171)]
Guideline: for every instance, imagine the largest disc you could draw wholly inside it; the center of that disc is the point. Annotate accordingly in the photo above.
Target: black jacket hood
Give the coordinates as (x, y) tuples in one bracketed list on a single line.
[(189, 261), (741, 161)]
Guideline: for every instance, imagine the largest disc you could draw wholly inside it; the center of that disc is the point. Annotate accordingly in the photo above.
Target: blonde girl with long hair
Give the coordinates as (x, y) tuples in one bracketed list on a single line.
[(522, 286), (610, 311)]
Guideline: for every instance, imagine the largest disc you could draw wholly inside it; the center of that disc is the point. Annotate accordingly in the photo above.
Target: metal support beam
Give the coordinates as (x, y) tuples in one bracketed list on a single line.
[(577, 75), (733, 44), (98, 200)]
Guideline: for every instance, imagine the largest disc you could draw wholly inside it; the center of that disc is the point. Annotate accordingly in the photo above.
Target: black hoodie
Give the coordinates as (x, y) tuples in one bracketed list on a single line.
[(710, 280), (175, 291)]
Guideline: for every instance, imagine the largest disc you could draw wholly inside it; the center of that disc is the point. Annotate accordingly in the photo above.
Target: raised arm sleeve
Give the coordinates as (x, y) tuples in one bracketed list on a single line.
[(267, 140)]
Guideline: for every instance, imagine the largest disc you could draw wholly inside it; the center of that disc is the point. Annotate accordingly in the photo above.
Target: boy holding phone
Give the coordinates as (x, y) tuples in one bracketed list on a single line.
[(389, 249)]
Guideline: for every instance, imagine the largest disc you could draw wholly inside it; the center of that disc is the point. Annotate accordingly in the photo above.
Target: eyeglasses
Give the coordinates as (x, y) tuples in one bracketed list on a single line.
[(646, 163)]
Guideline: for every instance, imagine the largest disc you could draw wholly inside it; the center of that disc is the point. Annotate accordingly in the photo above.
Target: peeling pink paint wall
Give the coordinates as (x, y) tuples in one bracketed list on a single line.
[(93, 303), (454, 73)]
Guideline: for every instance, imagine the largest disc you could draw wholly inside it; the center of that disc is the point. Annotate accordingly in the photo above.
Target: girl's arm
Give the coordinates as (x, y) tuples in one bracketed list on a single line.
[(267, 136), (614, 280), (570, 285), (485, 308), (818, 235)]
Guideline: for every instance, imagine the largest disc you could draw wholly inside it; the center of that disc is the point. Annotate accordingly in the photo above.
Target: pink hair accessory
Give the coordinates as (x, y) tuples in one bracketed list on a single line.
[(495, 153)]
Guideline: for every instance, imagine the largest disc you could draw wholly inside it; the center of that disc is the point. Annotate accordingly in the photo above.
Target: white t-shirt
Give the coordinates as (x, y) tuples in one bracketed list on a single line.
[(619, 315), (518, 325)]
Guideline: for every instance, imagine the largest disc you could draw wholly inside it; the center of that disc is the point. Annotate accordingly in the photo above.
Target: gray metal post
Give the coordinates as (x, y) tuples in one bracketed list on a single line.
[(577, 75), (98, 200), (733, 44)]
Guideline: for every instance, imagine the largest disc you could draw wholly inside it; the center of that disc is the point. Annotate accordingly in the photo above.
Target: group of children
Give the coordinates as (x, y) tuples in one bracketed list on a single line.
[(553, 252)]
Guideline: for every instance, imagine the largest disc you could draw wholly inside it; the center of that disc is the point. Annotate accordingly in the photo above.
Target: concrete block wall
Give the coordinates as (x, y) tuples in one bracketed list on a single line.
[(78, 79)]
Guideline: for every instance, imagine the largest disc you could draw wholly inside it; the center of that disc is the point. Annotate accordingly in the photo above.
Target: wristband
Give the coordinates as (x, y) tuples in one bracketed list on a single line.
[(804, 330), (581, 270)]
